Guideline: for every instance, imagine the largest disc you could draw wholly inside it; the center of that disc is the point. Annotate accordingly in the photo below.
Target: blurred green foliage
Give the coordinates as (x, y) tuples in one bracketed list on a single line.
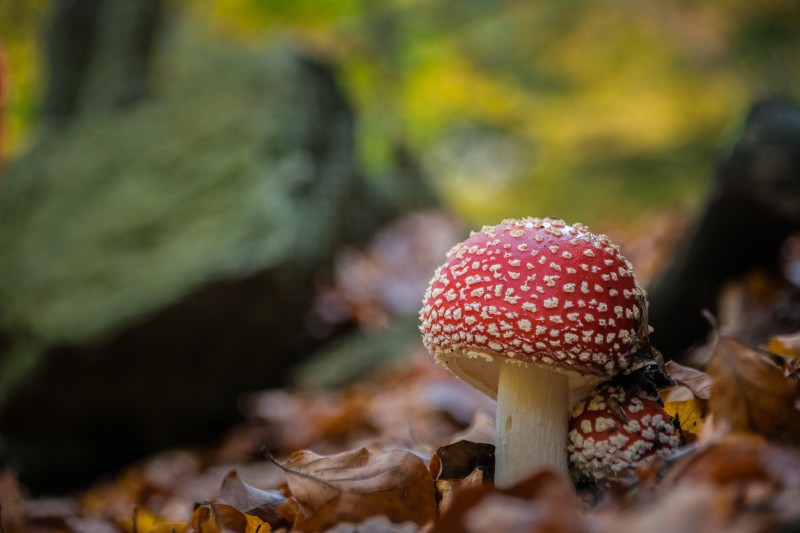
[(582, 109)]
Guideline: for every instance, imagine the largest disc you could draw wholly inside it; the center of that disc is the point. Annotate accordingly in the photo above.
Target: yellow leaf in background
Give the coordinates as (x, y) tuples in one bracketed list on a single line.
[(785, 345), (690, 414), (147, 522)]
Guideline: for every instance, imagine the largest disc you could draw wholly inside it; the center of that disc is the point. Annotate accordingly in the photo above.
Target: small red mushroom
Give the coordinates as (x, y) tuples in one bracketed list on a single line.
[(612, 431), (526, 312)]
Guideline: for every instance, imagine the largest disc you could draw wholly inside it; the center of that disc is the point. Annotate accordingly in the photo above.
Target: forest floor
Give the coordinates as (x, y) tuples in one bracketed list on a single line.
[(407, 447)]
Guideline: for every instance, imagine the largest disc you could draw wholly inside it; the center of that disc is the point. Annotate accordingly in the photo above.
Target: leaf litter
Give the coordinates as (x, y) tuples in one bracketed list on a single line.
[(408, 448)]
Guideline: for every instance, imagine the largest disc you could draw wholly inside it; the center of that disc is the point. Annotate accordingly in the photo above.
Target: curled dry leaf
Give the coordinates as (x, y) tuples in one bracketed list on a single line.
[(355, 485), (751, 394), (459, 466), (270, 506), (221, 518), (460, 459), (206, 519), (695, 382)]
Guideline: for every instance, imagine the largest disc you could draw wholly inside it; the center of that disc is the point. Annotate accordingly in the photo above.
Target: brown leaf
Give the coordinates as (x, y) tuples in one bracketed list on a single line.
[(458, 460), (376, 524), (235, 521), (542, 502), (738, 461), (742, 483), (221, 518), (205, 519), (751, 395), (448, 488), (698, 383), (268, 505), (695, 508), (355, 485)]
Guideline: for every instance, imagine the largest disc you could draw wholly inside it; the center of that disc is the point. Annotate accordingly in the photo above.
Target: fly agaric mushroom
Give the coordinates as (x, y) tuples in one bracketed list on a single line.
[(612, 431), (527, 312)]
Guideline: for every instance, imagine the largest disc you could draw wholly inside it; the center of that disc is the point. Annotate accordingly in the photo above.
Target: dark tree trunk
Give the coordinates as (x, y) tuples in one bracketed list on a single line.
[(753, 206), (98, 54)]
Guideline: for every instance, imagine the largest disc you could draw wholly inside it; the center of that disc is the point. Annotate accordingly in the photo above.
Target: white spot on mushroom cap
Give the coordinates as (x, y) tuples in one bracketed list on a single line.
[(602, 423)]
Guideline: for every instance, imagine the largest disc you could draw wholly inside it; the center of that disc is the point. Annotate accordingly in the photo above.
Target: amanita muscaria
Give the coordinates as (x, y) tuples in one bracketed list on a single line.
[(612, 431), (535, 313)]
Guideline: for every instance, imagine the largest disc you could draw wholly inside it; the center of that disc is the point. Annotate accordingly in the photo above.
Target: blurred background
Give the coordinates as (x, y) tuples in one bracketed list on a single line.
[(198, 196), (513, 107)]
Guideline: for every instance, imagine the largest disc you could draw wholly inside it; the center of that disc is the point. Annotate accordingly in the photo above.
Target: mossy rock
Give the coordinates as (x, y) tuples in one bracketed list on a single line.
[(159, 260)]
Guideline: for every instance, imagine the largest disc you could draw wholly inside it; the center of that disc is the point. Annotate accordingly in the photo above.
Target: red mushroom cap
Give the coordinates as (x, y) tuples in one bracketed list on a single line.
[(535, 291), (612, 431)]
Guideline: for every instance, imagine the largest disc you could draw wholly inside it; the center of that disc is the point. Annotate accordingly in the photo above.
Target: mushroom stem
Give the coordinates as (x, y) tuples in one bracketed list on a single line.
[(532, 419)]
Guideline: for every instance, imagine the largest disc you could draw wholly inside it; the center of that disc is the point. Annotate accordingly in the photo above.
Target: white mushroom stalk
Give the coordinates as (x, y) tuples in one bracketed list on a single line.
[(531, 421), (529, 312)]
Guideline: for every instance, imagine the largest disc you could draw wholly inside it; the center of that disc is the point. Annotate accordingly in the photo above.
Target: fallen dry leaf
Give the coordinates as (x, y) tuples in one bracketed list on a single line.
[(447, 489), (686, 400), (694, 508), (460, 459), (376, 524), (270, 506), (235, 521), (738, 461), (221, 518), (355, 485), (542, 502), (755, 484), (750, 394), (737, 484), (689, 414), (698, 383), (205, 518)]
